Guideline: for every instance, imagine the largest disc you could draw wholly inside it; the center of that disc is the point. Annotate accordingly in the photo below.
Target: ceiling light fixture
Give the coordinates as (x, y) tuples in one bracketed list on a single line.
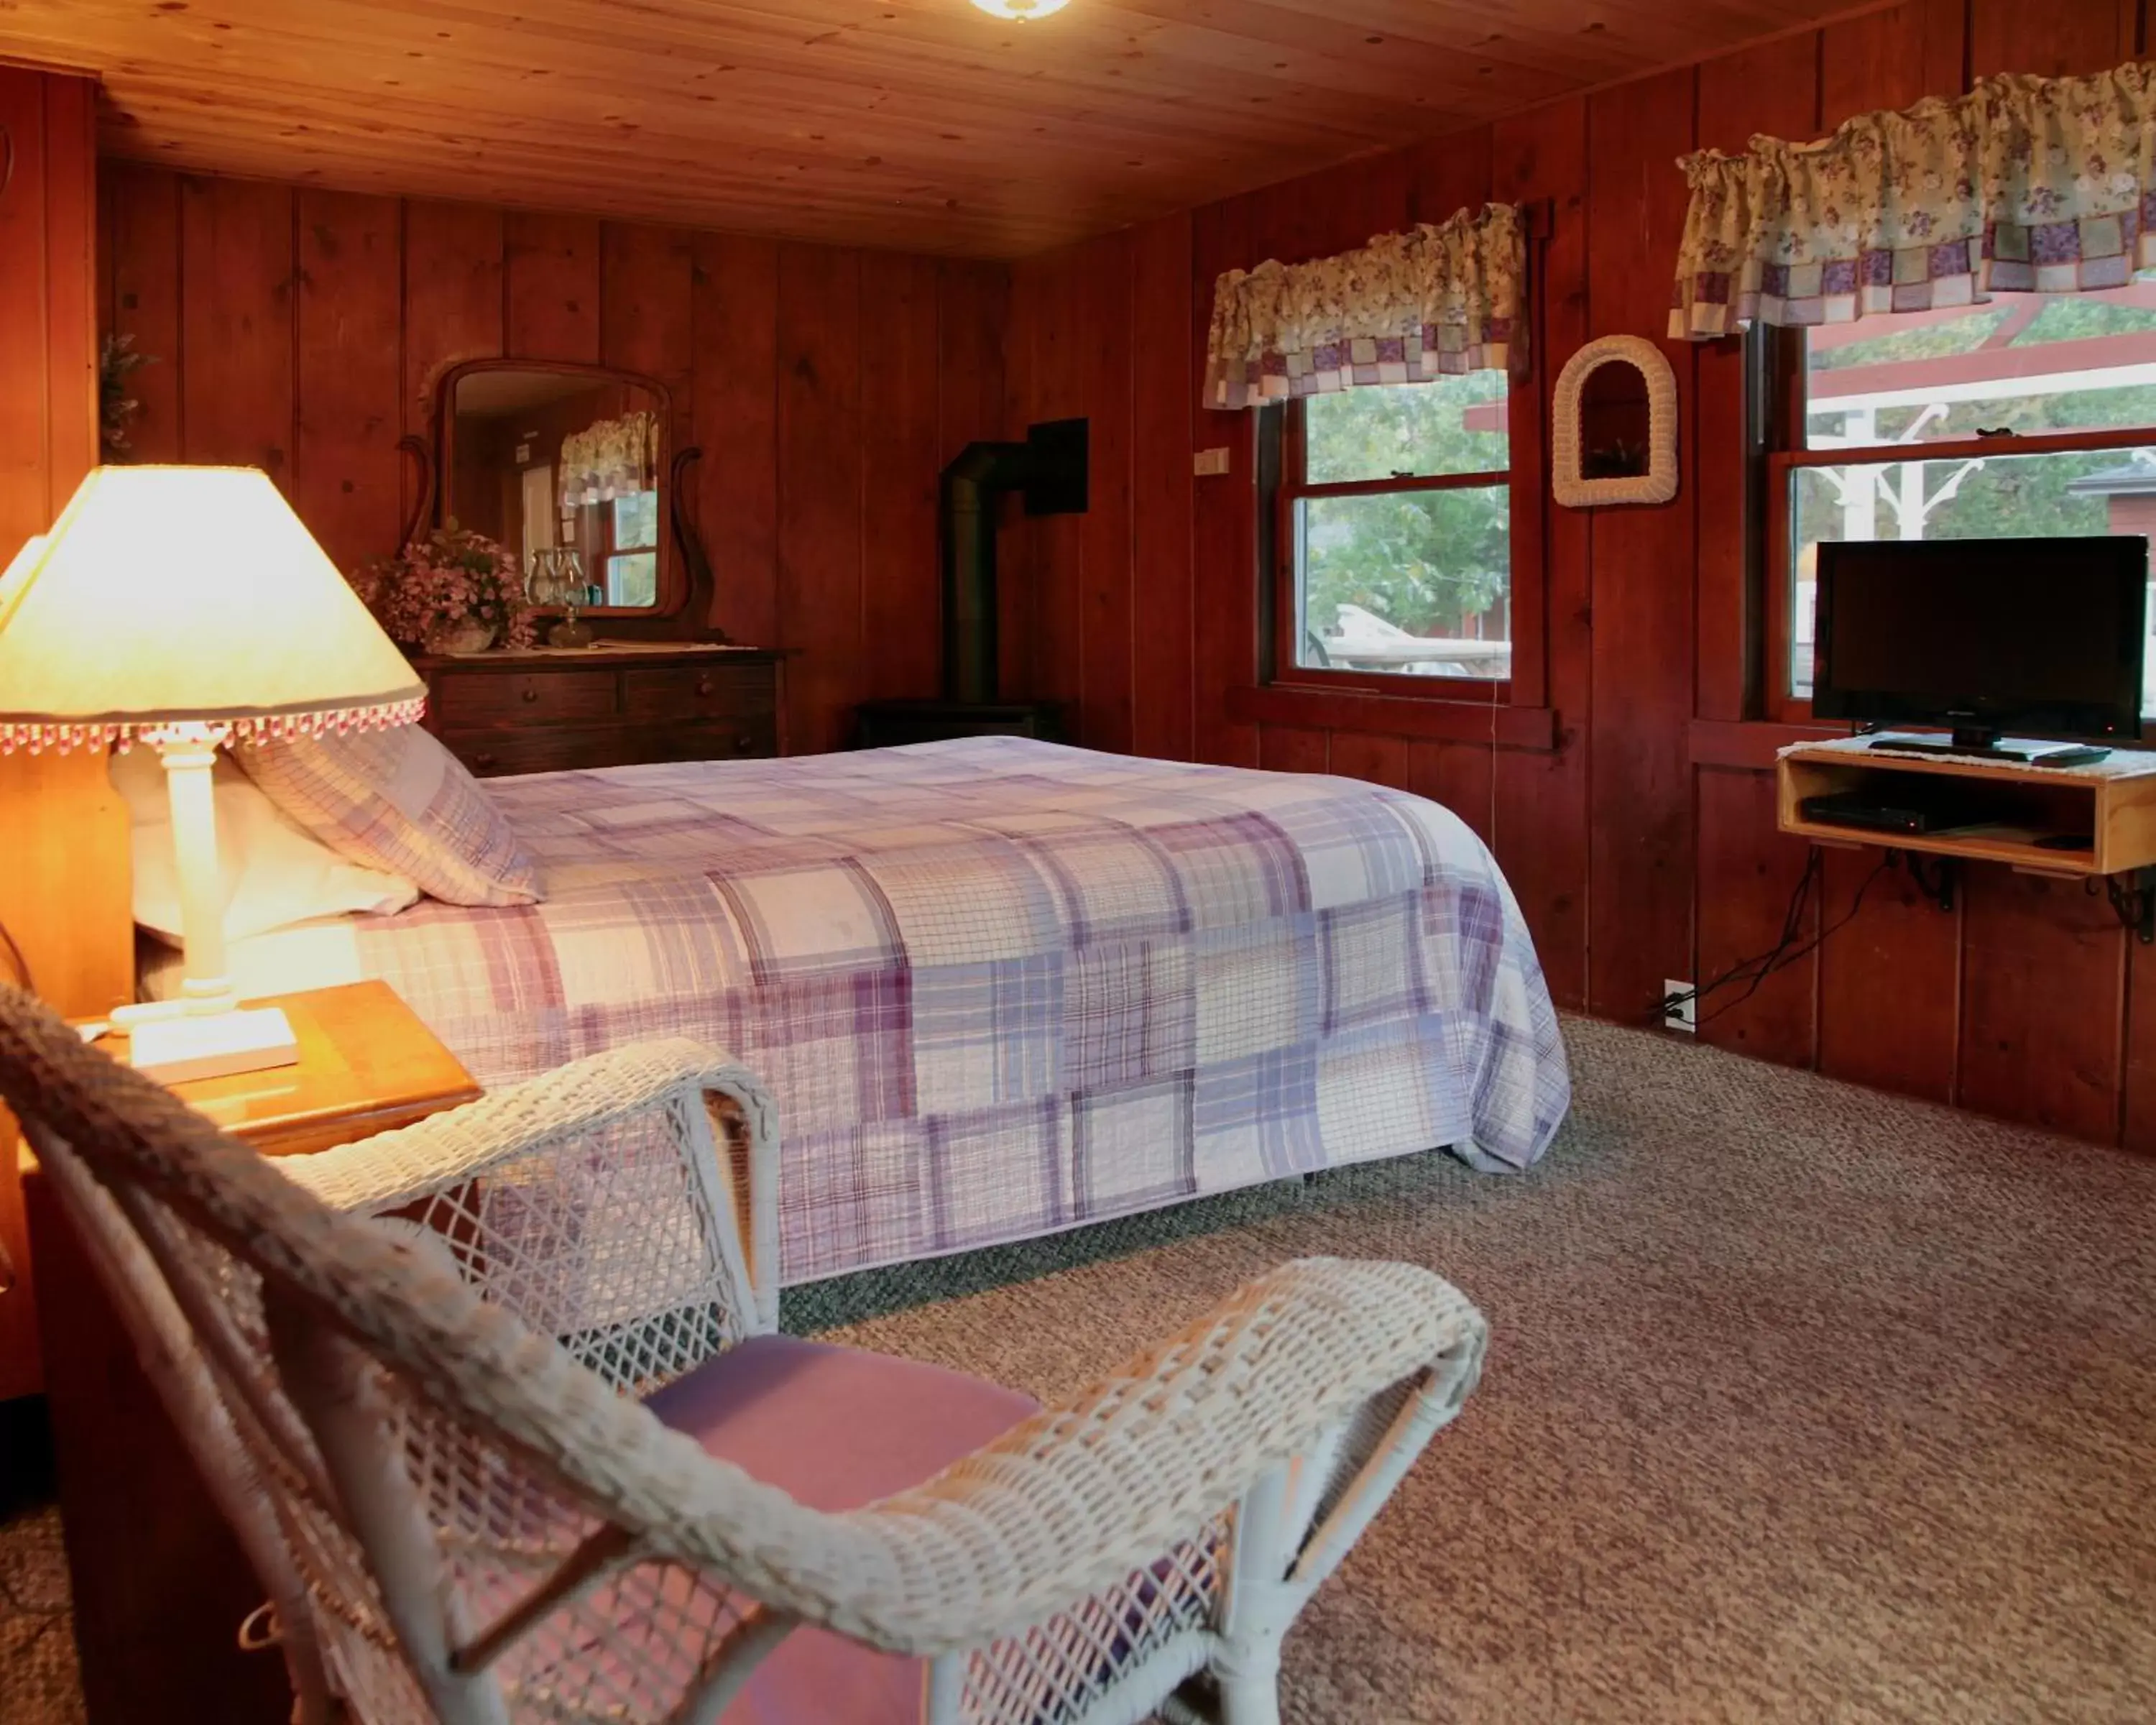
[(1020, 12)]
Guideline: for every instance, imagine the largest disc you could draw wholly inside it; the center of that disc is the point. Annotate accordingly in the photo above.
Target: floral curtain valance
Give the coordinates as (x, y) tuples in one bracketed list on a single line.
[(614, 458), (2025, 185), (1406, 308)]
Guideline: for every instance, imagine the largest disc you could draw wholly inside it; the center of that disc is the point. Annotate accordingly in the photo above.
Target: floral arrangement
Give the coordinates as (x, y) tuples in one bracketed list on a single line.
[(454, 590), (116, 360)]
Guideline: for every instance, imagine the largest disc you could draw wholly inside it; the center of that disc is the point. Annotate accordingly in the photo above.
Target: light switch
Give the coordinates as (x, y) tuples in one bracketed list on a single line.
[(1210, 463)]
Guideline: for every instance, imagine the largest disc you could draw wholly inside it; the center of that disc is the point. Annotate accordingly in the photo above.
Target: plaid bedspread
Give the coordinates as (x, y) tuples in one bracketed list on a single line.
[(1001, 988)]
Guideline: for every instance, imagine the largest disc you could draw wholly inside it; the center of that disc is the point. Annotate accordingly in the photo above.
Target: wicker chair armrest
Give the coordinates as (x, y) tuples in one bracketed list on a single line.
[(394, 1169), (1110, 1480)]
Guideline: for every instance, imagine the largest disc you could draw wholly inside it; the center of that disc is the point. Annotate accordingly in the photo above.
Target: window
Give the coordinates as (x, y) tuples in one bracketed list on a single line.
[(1393, 541), (2034, 414), (632, 564)]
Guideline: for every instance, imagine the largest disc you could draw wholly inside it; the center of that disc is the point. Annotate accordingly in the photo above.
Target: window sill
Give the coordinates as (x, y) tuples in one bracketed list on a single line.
[(1524, 727)]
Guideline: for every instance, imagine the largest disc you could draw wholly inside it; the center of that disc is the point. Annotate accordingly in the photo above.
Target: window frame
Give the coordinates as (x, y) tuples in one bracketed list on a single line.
[(615, 548), (1785, 375), (1290, 486)]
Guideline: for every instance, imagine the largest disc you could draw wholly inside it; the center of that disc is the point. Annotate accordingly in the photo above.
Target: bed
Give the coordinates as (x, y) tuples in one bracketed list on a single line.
[(1001, 988)]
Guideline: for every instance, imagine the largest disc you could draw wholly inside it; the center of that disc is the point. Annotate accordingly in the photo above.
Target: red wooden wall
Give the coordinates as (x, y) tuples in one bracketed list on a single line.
[(300, 330), (1642, 846), (48, 441)]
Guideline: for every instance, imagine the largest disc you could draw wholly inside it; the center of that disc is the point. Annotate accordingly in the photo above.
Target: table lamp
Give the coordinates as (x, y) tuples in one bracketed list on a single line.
[(187, 607)]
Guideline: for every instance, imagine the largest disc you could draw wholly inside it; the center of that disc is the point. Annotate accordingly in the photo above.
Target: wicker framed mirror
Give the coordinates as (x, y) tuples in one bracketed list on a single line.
[(1614, 432)]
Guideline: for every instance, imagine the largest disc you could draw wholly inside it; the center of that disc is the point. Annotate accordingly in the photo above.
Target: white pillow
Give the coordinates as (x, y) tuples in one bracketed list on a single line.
[(275, 872)]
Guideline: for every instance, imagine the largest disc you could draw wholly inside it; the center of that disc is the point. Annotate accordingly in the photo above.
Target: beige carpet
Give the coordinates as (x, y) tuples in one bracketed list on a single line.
[(1804, 1404)]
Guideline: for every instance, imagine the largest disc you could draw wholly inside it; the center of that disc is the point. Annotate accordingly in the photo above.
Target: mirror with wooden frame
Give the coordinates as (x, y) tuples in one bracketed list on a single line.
[(569, 467)]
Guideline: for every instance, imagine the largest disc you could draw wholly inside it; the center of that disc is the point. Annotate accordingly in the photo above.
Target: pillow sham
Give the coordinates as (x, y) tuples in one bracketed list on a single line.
[(275, 872), (398, 800)]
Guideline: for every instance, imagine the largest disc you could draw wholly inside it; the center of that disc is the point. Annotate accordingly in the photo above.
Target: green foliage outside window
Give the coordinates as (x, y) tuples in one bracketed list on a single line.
[(1426, 560)]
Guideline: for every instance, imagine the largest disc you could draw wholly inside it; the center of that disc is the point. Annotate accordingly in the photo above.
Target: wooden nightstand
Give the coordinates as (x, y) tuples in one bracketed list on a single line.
[(160, 1586)]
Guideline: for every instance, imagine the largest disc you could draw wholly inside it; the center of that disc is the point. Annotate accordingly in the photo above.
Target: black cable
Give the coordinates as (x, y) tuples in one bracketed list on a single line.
[(1785, 951), (1782, 958)]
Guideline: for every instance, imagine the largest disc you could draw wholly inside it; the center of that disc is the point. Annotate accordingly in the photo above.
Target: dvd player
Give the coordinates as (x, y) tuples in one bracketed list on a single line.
[(1876, 813)]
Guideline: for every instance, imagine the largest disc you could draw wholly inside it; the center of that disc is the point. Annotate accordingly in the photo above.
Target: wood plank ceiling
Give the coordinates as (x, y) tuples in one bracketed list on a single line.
[(920, 124)]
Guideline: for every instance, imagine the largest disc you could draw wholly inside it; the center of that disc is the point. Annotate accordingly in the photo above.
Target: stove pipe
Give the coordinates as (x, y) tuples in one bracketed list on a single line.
[(1049, 470)]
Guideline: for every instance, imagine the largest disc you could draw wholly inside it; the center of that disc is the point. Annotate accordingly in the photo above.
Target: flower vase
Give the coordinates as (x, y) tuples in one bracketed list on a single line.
[(464, 634)]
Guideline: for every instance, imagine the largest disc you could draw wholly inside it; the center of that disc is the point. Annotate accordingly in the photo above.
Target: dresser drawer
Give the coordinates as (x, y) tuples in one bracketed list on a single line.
[(686, 691), (525, 697), (491, 754)]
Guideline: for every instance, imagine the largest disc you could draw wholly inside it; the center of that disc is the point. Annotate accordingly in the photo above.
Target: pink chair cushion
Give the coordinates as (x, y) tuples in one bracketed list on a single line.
[(834, 1429)]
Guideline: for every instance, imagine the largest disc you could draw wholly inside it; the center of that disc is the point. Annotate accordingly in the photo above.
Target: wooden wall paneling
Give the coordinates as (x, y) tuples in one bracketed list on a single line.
[(104, 255), (1640, 852), (1375, 758), (142, 262), (1286, 748), (2137, 1111), (647, 311), (1889, 982), (2051, 41), (972, 404), (26, 501), (1337, 208), (1892, 58), (347, 385), (819, 490), (1376, 196), (1747, 872), (1164, 385), (453, 302), (1111, 607), (1541, 799), (550, 286), (1774, 89), (1223, 568), (237, 276), (1463, 776), (972, 325), (2043, 1003), (52, 890), (1056, 390), (901, 582), (70, 261), (1447, 175), (1018, 591), (734, 323)]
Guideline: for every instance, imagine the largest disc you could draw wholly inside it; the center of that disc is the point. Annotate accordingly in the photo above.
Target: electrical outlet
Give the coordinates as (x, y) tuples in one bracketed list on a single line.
[(1680, 1009), (1212, 464)]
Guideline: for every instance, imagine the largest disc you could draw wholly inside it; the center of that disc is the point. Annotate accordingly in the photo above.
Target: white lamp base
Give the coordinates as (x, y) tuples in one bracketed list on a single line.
[(176, 1049)]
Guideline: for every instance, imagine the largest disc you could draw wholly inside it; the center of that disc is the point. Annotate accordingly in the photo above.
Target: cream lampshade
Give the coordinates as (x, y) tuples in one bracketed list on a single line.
[(188, 607)]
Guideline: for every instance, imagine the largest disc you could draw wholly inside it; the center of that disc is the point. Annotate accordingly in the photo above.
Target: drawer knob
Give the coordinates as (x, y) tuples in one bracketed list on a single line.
[(532, 695), (704, 683), (484, 757)]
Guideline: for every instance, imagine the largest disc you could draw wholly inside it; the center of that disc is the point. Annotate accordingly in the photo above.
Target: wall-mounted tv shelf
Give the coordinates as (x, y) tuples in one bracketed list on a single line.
[(2091, 822)]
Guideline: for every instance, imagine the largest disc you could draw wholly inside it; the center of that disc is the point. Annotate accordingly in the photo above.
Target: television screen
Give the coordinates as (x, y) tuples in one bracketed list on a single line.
[(2037, 635)]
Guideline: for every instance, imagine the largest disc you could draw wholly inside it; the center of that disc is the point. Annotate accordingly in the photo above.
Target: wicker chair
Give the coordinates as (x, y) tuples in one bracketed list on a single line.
[(447, 1435)]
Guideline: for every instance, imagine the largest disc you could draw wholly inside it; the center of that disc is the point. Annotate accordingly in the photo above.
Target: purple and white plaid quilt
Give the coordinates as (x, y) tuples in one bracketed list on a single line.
[(1001, 988)]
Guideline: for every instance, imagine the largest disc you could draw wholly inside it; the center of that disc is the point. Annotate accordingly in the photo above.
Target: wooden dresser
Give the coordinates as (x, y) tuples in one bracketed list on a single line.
[(620, 704)]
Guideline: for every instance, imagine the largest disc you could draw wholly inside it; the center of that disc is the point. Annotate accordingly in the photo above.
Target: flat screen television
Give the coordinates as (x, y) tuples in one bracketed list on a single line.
[(2041, 637)]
